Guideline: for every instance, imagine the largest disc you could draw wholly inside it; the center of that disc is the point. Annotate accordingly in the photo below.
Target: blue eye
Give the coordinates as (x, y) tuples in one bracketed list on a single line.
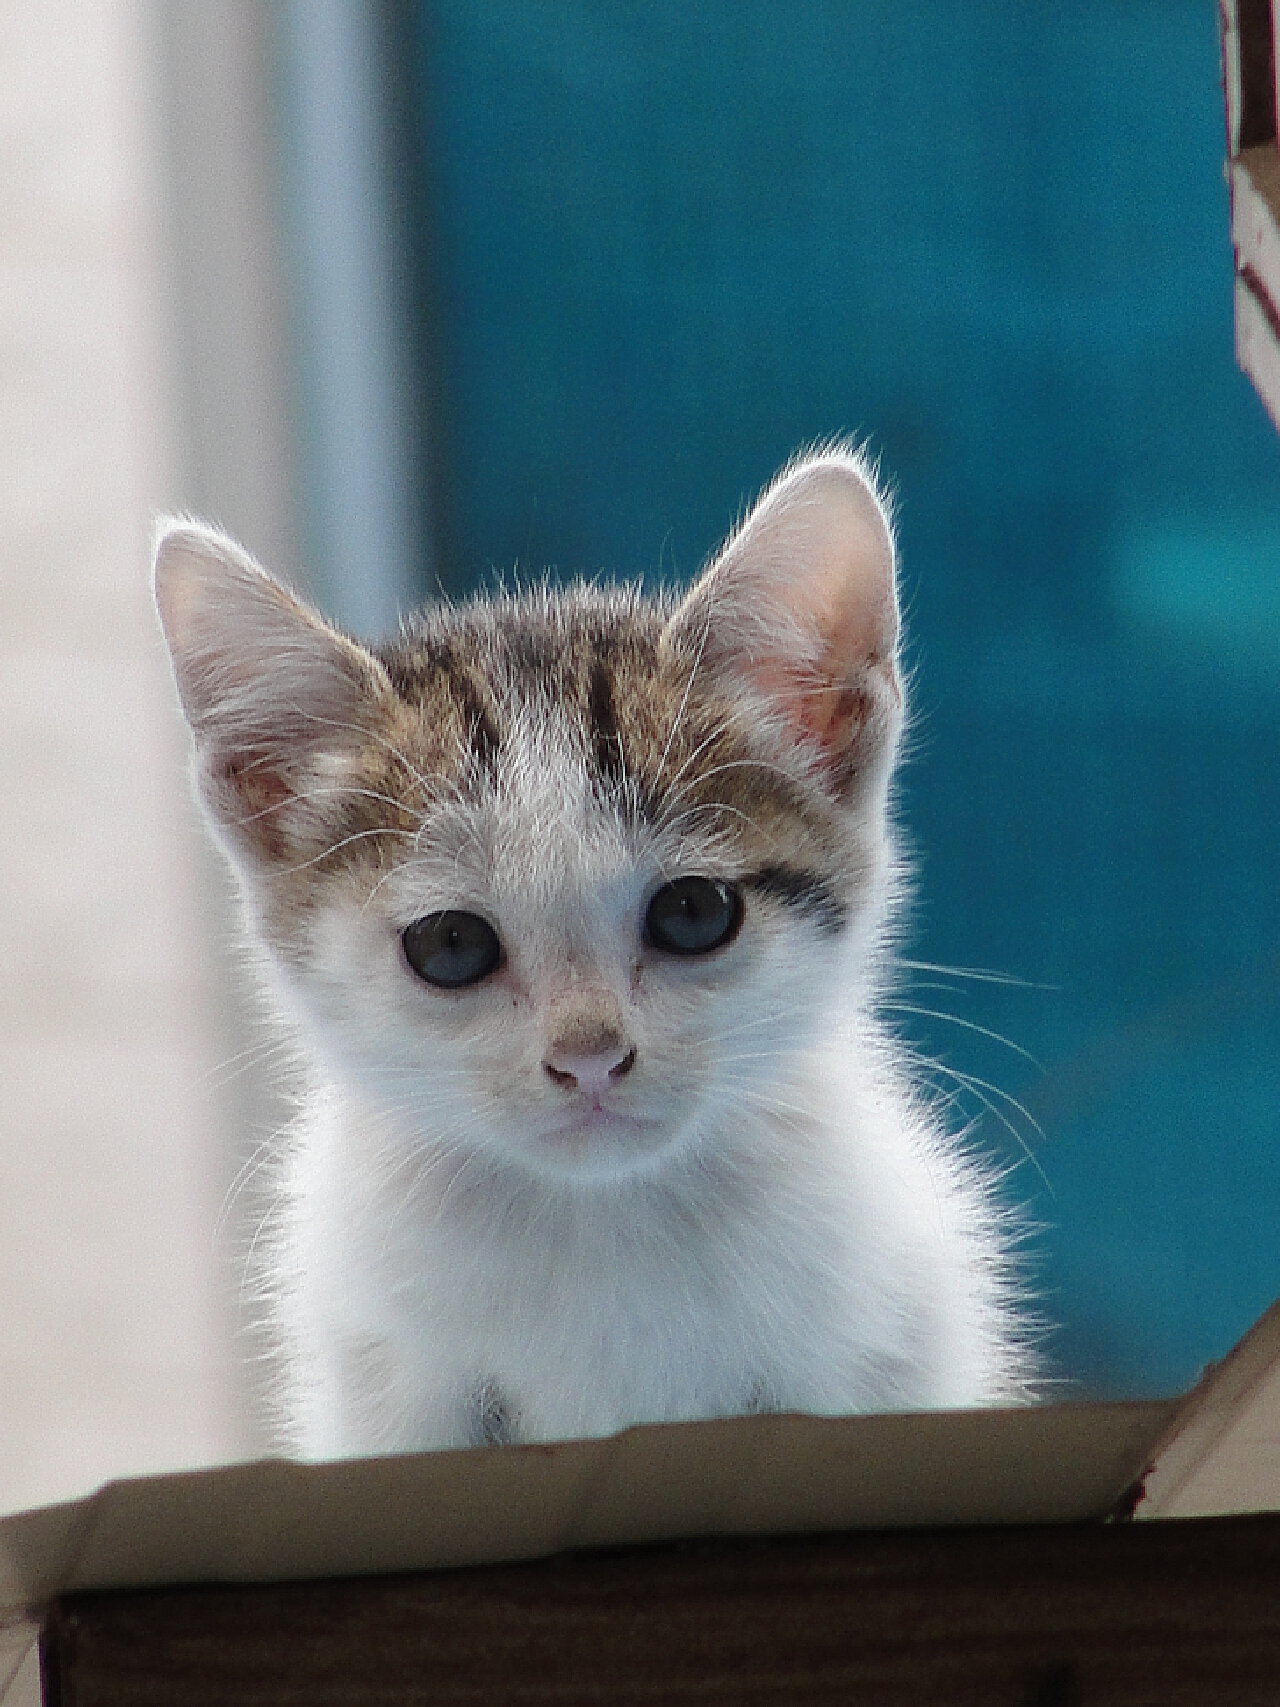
[(693, 915), (451, 949)]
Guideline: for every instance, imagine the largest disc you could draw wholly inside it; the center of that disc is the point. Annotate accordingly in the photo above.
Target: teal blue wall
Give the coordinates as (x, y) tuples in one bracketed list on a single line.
[(655, 248)]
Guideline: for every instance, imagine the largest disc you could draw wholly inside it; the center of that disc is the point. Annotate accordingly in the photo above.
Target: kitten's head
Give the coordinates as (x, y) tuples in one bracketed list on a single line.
[(563, 879)]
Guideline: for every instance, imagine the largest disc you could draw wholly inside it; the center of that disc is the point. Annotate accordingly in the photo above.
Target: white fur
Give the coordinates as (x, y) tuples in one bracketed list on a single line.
[(772, 1217), (794, 1231)]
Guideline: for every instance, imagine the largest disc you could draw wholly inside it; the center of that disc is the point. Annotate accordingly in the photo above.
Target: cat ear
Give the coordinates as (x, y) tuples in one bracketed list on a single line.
[(801, 608), (280, 703)]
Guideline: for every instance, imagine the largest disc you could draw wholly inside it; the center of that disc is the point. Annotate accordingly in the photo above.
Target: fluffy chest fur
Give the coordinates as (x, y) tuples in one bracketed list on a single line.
[(808, 1267), (579, 905)]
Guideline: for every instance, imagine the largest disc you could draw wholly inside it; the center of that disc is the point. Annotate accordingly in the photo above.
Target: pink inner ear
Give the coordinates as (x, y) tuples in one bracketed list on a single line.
[(248, 797), (847, 722), (824, 555), (803, 604)]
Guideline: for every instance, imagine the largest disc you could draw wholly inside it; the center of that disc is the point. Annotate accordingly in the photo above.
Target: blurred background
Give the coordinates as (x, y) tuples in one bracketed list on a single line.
[(407, 295)]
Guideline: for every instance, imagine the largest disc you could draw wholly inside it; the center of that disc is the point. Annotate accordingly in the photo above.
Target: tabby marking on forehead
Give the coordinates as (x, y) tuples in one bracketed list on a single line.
[(449, 689), (606, 739), (659, 741)]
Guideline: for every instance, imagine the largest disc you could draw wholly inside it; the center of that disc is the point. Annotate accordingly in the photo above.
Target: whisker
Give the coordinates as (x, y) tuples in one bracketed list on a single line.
[(991, 1096), (897, 1007), (767, 765), (235, 1066), (264, 1153), (688, 689), (345, 842), (976, 974), (365, 732)]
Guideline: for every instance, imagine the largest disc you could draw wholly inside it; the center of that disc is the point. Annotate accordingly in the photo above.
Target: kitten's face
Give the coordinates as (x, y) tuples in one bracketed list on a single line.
[(569, 936), (561, 880)]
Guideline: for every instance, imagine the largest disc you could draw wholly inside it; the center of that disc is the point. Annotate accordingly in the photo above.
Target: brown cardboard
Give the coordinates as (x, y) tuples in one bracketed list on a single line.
[(19, 1665), (281, 1521), (1216, 1450), (1221, 1456)]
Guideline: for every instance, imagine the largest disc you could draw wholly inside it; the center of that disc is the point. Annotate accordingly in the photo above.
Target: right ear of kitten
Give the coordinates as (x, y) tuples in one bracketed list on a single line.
[(580, 907)]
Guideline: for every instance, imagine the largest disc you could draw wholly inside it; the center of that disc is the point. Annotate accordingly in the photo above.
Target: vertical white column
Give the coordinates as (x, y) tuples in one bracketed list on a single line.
[(116, 1351)]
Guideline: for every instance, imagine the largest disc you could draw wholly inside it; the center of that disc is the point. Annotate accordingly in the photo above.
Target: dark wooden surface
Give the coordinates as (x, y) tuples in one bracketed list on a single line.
[(1257, 72), (1174, 1613)]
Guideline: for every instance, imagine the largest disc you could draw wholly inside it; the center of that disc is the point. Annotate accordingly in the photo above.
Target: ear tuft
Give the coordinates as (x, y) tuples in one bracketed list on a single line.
[(801, 608)]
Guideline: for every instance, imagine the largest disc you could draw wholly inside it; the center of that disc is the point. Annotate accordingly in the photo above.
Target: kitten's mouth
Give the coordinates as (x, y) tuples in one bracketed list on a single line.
[(590, 1121), (599, 1132)]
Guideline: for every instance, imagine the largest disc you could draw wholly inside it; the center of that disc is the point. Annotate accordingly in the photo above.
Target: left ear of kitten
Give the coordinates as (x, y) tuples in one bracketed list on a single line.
[(579, 905)]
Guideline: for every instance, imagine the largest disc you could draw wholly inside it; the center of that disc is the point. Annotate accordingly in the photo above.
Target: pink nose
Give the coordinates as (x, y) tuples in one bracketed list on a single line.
[(590, 1073)]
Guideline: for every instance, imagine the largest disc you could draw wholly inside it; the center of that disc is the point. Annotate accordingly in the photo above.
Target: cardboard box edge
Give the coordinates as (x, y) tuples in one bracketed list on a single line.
[(276, 1520), (1208, 1412), (20, 1663)]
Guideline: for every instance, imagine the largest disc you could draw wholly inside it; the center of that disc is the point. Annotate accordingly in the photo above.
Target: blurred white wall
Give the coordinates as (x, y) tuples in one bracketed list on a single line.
[(134, 376)]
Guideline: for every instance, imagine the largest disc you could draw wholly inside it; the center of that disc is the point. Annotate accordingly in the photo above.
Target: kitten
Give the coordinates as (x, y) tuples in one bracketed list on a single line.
[(579, 904)]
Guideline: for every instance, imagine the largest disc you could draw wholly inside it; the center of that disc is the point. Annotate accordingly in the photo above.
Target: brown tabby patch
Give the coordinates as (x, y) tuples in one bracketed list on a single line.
[(662, 739)]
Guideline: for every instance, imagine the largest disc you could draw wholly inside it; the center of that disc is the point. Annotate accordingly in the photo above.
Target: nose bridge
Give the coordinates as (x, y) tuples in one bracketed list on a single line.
[(586, 1019)]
